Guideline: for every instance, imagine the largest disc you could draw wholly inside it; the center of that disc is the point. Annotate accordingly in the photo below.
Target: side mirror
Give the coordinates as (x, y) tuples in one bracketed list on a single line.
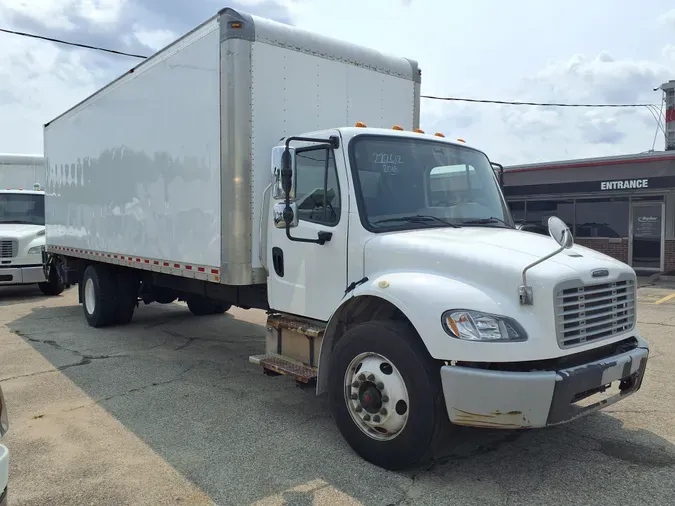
[(282, 214), (278, 158), (560, 232)]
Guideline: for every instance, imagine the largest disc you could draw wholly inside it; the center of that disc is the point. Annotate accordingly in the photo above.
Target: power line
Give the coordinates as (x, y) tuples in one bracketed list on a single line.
[(541, 104), (68, 43), (430, 97)]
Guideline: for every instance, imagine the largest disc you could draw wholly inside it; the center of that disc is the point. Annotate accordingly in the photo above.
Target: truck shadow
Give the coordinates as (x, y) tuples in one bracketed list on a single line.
[(183, 385), (10, 295)]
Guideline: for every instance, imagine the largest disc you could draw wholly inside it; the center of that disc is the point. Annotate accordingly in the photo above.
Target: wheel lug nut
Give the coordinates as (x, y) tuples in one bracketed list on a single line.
[(362, 377), (376, 418), (366, 418), (356, 384), (353, 397), (385, 398), (371, 377), (383, 412), (380, 385), (358, 409)]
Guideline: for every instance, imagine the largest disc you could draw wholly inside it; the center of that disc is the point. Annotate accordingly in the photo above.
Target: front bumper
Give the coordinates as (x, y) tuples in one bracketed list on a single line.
[(18, 275), (511, 400), (4, 474)]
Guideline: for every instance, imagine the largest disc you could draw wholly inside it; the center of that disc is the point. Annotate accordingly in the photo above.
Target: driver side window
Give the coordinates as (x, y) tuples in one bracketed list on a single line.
[(317, 191)]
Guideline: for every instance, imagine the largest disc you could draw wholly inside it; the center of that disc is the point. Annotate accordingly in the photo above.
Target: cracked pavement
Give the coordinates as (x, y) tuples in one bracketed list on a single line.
[(168, 410)]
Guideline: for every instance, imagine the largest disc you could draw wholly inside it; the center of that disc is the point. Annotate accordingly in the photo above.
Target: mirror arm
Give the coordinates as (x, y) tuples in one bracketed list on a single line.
[(525, 291), (286, 183)]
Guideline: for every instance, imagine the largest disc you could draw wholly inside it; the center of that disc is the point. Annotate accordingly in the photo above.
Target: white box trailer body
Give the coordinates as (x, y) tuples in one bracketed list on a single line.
[(224, 171), (182, 183), (21, 171)]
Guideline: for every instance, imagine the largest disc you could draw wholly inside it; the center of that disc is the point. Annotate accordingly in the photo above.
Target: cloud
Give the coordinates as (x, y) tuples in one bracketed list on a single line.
[(602, 78), (462, 49), (667, 19), (39, 80)]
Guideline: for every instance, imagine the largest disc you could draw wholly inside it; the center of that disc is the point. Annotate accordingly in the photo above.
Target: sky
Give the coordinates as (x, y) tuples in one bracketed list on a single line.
[(578, 51)]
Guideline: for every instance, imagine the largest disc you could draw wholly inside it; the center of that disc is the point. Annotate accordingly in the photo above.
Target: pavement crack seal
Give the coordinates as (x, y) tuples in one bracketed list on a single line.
[(408, 494), (133, 390), (84, 358)]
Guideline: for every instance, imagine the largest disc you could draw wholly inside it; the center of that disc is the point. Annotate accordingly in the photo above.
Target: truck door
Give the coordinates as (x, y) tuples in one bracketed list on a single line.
[(309, 279)]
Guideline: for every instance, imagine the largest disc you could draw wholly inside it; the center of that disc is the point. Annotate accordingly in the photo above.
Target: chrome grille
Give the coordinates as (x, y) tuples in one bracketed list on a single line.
[(593, 312), (8, 248)]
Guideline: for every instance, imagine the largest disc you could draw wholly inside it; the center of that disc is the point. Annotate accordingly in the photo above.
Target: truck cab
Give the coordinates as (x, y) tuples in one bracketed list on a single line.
[(22, 239), (417, 290)]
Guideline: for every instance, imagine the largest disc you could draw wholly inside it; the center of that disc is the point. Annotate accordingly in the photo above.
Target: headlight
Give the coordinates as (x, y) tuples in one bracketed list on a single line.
[(35, 250), (477, 326)]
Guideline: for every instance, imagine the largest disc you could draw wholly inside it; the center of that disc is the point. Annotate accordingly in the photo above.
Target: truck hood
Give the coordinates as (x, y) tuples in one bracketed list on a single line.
[(483, 267), (478, 254), (19, 230)]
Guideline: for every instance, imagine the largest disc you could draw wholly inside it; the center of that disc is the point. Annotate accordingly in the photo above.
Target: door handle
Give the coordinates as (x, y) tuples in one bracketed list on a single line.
[(278, 261), (324, 237)]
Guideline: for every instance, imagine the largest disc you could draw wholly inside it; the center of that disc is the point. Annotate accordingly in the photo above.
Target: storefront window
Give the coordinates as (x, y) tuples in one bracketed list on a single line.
[(602, 218), (517, 210), (539, 211)]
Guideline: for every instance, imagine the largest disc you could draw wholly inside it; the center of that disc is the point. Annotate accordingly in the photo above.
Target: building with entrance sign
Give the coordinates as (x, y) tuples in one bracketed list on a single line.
[(623, 206)]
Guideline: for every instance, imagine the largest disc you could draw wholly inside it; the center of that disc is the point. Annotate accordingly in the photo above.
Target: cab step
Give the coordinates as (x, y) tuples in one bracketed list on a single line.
[(283, 365)]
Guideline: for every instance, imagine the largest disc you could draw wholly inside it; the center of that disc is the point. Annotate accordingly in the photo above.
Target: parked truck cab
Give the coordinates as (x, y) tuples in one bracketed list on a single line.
[(268, 167), (448, 311), (22, 240)]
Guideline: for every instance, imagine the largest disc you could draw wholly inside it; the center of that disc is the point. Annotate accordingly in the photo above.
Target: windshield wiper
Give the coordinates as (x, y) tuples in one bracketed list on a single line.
[(485, 221), (417, 218)]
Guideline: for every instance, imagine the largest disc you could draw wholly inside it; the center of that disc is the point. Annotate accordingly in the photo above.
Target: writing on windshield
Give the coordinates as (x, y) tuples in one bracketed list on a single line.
[(399, 180)]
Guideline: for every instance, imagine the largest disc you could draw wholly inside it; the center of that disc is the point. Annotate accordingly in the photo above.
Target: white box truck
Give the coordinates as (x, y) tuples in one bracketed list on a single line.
[(258, 165), (22, 223)]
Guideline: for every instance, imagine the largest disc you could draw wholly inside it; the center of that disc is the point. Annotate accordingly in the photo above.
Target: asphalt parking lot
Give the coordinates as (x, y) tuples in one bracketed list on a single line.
[(169, 411)]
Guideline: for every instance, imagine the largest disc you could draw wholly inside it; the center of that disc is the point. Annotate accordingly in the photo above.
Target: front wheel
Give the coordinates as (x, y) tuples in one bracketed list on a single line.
[(386, 396), (54, 285)]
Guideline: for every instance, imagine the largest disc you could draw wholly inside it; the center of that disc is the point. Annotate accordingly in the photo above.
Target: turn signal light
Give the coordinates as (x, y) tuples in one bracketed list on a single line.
[(418, 130), (439, 134), (397, 127), (461, 140), (360, 124)]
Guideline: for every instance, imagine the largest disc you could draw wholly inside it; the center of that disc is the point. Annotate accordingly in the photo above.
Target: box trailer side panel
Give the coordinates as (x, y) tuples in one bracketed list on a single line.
[(134, 170), (289, 81)]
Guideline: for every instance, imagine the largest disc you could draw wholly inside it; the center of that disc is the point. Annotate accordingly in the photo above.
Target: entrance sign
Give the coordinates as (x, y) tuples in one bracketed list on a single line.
[(624, 184)]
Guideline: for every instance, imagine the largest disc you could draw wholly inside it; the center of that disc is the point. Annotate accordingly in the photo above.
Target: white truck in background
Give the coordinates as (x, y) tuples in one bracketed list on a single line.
[(22, 223), (257, 165)]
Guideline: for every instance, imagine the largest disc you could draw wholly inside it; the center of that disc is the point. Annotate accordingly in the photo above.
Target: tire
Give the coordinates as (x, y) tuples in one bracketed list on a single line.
[(426, 419), (54, 285), (202, 306), (126, 299), (98, 296), (221, 307)]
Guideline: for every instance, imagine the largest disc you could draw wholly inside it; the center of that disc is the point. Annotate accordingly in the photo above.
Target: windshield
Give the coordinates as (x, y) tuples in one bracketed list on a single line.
[(407, 183), (23, 208)]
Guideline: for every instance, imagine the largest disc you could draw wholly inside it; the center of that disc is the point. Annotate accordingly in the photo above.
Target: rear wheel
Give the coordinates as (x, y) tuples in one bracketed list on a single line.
[(201, 306), (98, 295), (386, 396), (127, 298)]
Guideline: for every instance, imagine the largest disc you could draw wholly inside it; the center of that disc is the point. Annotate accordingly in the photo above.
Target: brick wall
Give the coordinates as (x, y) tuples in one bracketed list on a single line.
[(669, 263), (619, 250), (611, 247)]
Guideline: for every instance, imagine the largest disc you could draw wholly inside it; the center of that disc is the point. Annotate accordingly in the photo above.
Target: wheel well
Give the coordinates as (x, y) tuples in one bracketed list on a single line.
[(357, 310)]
